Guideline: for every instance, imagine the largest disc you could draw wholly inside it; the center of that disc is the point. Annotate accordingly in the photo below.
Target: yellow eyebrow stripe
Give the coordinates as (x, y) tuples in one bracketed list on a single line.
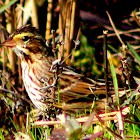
[(22, 35)]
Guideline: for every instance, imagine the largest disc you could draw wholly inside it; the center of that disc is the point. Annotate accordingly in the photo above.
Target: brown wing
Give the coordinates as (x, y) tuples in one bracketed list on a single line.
[(73, 86), (77, 93)]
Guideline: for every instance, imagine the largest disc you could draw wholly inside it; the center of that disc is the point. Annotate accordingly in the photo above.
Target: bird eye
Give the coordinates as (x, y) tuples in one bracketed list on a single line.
[(25, 38)]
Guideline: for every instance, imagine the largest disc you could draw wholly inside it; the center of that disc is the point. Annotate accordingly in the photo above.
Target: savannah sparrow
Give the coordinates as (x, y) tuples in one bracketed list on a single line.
[(49, 82)]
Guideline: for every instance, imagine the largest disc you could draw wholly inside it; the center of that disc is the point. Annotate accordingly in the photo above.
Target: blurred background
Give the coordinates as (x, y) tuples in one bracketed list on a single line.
[(72, 20)]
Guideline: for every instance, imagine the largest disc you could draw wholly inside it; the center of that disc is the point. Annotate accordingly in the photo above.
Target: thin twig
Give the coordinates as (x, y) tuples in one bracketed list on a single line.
[(77, 38), (17, 95), (106, 64), (123, 32), (115, 30), (135, 17)]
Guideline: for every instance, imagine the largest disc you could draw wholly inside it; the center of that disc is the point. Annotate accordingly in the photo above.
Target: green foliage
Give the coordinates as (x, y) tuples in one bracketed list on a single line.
[(13, 116), (132, 124), (85, 59), (1, 135)]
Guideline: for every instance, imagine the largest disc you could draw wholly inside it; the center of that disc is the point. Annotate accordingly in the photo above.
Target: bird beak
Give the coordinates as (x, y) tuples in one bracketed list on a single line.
[(9, 43)]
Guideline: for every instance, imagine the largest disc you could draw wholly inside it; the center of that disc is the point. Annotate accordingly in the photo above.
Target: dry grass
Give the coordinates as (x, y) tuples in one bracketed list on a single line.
[(15, 105)]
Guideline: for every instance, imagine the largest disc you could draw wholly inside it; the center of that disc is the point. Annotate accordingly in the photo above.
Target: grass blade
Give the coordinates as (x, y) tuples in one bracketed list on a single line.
[(115, 82), (137, 57), (2, 9)]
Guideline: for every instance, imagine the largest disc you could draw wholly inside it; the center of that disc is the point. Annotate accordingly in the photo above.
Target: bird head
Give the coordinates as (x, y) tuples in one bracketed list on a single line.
[(27, 42)]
